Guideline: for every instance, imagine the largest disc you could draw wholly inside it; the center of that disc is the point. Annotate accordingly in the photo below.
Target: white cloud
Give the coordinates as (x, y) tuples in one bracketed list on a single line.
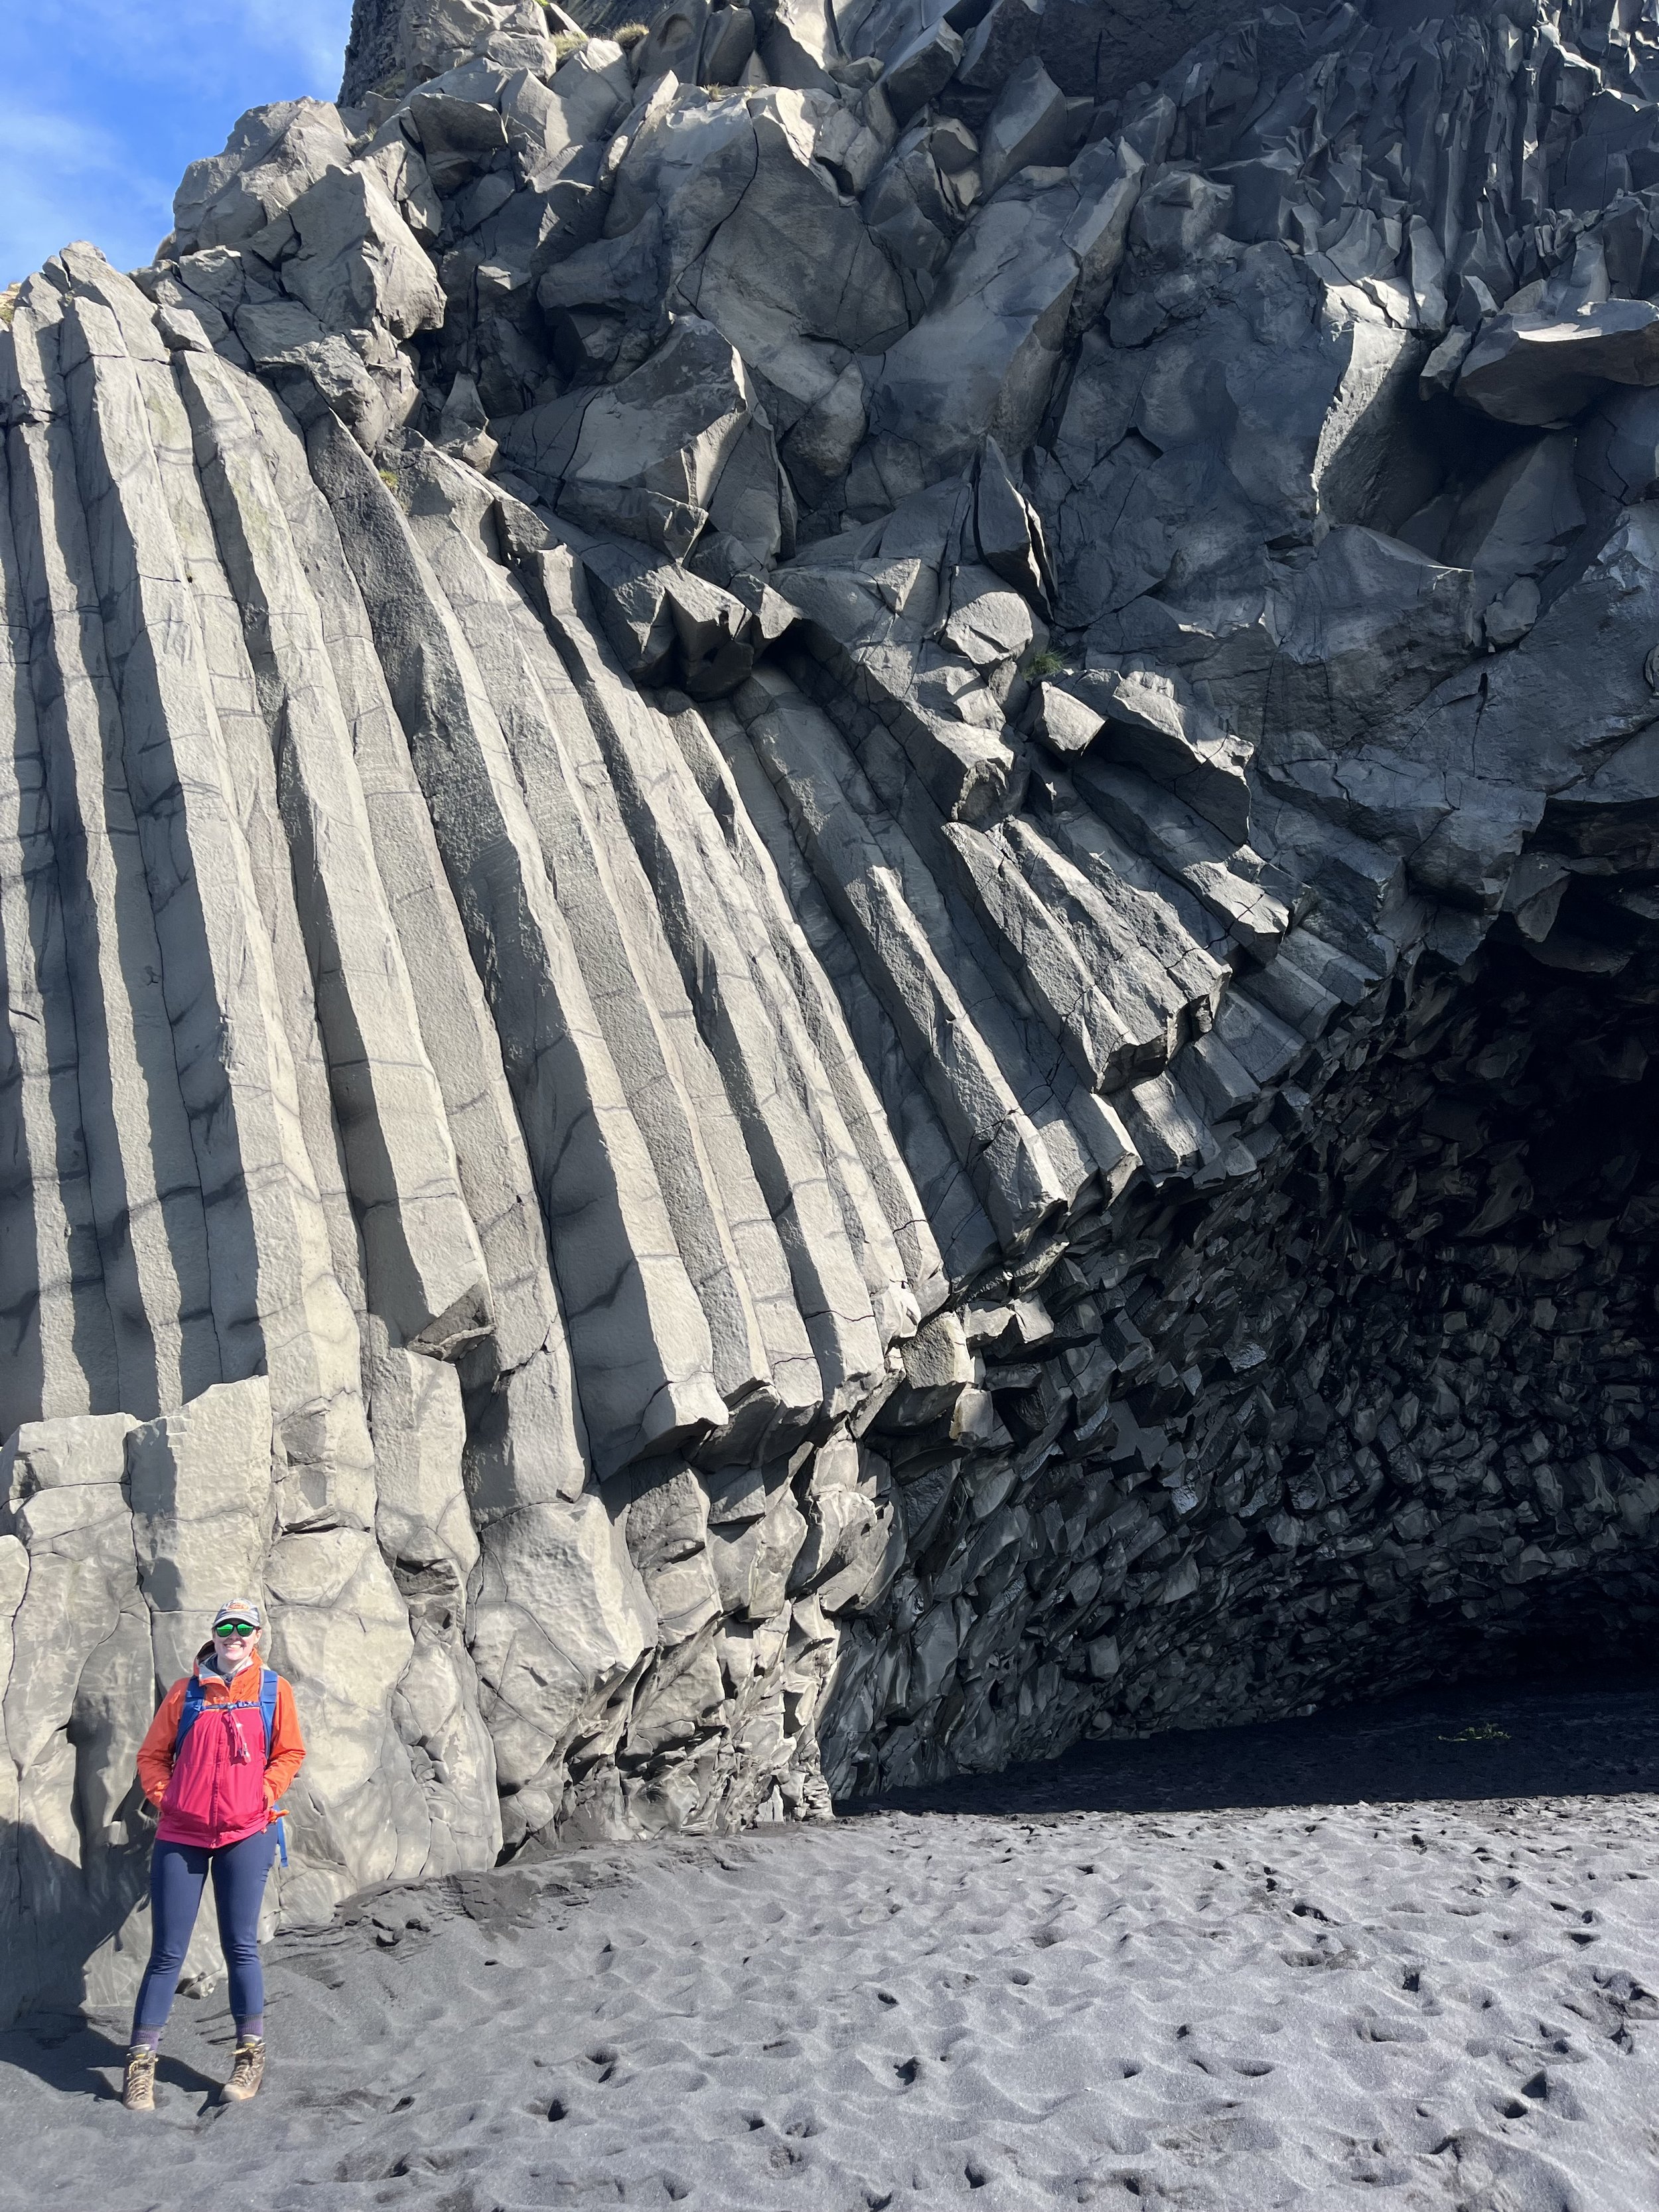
[(62, 178), (104, 102)]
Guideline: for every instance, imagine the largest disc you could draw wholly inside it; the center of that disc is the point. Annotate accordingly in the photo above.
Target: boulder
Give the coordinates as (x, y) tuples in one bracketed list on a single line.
[(645, 457), (672, 44), (548, 123), (205, 1501), (983, 360), (1003, 40), (459, 126), (433, 36), (1065, 723), (561, 1623), (922, 67), (358, 262), (1544, 369), (801, 45), (273, 156), (1030, 124)]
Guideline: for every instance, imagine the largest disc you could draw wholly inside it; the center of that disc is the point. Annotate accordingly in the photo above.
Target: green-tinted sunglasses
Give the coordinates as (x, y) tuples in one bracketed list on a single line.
[(233, 1628)]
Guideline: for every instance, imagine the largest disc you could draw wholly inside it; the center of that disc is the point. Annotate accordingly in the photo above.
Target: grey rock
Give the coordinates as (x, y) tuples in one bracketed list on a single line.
[(1440, 370), (458, 131), (1066, 724), (273, 156), (1029, 125), (983, 360), (821, 441), (1512, 614), (910, 211), (1149, 728), (1010, 531), (202, 1493), (421, 1518), (824, 913), (729, 44), (548, 122), (670, 625), (922, 67), (1004, 39), (670, 46), (1541, 369), (358, 262), (411, 43), (422, 1256), (648, 1380), (648, 456), (668, 1542), (802, 46)]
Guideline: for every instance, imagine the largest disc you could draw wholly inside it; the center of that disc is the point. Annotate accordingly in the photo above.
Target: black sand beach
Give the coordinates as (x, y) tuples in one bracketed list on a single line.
[(1401, 1955)]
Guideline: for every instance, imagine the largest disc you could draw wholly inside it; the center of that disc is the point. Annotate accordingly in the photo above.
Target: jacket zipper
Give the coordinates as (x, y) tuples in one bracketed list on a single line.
[(215, 1820), (218, 1768)]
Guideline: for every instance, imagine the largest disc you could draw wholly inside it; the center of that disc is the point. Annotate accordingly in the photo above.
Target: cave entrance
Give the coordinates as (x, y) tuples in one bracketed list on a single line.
[(1504, 1216)]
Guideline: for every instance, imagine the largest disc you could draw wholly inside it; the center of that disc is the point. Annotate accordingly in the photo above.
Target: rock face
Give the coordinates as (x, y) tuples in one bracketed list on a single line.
[(826, 913)]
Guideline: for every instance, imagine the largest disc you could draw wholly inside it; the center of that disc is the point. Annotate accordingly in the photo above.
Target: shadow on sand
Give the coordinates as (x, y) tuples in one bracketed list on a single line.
[(1473, 1741), (71, 2055), (49, 1926)]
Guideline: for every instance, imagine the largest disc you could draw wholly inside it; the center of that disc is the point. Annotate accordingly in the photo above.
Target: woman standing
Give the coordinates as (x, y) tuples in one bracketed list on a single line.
[(219, 1754)]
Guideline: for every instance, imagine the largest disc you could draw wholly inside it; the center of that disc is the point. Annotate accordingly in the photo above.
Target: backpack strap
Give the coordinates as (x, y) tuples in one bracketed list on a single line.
[(189, 1713), (269, 1682)]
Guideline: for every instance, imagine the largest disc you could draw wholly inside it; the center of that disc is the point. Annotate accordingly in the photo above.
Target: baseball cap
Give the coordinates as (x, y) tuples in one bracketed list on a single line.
[(251, 1614)]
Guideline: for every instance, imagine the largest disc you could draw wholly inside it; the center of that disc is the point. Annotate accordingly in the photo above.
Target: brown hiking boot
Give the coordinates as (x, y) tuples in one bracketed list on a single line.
[(248, 2072), (139, 2090)]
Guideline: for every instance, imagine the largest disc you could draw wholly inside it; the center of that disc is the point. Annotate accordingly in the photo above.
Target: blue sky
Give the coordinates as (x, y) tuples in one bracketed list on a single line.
[(103, 103)]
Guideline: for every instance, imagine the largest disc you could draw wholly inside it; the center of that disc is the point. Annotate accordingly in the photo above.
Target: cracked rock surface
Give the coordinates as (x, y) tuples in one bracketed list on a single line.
[(828, 898)]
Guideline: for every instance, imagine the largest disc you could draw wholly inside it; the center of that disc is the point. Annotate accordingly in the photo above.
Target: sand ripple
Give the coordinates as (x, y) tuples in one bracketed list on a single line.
[(1419, 2006)]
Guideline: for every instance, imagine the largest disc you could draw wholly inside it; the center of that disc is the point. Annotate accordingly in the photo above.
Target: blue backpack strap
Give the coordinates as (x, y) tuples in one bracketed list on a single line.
[(189, 1713), (268, 1685), (191, 1710)]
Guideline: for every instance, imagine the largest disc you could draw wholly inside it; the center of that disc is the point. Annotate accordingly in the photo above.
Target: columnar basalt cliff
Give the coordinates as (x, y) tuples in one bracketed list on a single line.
[(829, 879)]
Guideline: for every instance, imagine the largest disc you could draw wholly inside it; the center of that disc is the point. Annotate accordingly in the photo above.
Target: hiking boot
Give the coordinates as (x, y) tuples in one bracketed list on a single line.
[(139, 2090), (247, 2073)]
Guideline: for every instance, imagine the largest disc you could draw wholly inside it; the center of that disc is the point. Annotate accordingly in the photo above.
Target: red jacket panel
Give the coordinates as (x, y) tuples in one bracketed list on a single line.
[(225, 1783)]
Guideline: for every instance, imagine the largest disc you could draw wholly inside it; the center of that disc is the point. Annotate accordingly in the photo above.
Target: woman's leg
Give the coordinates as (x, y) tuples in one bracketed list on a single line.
[(177, 1872), (238, 1887)]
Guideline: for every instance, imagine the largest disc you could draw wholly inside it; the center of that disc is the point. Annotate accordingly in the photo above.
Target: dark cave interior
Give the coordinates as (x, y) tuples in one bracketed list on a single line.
[(1379, 1419)]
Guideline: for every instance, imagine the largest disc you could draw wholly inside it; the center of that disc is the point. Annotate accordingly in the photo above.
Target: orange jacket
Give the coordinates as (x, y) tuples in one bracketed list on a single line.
[(287, 1749)]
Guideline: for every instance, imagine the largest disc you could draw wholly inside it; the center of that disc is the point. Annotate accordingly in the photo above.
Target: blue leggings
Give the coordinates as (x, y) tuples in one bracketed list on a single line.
[(177, 1873)]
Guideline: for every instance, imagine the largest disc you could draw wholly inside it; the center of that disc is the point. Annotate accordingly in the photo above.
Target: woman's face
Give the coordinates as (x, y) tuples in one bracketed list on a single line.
[(235, 1642)]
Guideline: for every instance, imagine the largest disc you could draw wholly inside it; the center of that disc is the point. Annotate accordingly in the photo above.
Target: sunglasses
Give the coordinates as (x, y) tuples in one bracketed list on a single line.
[(229, 1628)]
